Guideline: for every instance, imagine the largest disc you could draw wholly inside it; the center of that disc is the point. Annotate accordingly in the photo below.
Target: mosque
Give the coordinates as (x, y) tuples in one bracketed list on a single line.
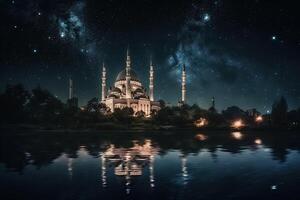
[(128, 90)]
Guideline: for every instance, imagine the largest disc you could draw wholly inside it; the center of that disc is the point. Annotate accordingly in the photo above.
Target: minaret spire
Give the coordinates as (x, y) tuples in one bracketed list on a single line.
[(128, 68), (183, 85), (71, 92), (103, 89), (151, 79)]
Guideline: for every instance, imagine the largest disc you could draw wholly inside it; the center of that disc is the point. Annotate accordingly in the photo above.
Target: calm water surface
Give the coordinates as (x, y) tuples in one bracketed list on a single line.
[(225, 165)]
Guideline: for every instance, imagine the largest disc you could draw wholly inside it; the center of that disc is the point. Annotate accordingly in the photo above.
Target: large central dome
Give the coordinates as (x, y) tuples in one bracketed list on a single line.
[(122, 76)]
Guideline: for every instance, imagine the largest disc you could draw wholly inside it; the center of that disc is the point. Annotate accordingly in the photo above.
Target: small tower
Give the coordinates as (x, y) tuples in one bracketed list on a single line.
[(151, 79), (72, 100), (213, 102), (212, 108), (183, 85), (128, 68), (103, 89), (71, 92)]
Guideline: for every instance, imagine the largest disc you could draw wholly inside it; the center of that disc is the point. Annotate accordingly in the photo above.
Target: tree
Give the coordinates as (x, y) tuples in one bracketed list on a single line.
[(140, 114), (164, 116), (123, 115), (279, 112), (44, 107), (13, 102), (93, 105), (162, 103), (233, 113)]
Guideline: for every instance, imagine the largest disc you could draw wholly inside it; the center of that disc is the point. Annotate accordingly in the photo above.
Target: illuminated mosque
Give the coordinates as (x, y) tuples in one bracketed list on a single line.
[(128, 90)]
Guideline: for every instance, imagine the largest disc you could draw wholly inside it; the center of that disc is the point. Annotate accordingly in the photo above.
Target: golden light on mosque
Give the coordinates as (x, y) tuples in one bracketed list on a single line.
[(201, 122), (238, 124)]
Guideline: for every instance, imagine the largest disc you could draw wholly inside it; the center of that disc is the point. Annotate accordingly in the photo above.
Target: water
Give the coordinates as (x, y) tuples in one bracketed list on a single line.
[(187, 165)]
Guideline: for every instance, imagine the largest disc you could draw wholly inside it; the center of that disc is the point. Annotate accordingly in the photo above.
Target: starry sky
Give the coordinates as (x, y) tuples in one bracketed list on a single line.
[(244, 53)]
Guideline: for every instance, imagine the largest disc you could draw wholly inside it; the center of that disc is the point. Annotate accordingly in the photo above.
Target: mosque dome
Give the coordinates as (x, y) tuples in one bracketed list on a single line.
[(122, 76)]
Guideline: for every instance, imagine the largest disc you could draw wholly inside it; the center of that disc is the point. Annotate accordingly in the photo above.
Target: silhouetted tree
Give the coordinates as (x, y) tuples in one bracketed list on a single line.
[(13, 102), (123, 115), (44, 107), (164, 116), (162, 103), (140, 114), (234, 112), (93, 105), (279, 112)]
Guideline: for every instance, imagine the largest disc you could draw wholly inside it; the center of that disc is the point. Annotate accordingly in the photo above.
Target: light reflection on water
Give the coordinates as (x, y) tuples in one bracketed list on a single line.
[(231, 165)]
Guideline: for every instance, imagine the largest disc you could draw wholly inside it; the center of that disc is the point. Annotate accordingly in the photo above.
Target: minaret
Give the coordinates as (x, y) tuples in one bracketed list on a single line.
[(103, 91), (70, 88), (128, 68), (183, 85), (151, 79), (213, 102)]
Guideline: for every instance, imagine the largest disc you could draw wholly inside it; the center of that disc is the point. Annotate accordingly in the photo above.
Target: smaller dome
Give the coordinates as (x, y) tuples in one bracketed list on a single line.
[(115, 89)]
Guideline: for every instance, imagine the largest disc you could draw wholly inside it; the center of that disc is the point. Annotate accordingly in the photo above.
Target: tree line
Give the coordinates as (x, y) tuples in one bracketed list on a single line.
[(41, 108)]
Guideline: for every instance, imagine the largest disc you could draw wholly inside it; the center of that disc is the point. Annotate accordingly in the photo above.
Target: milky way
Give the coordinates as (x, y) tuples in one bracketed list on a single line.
[(243, 53)]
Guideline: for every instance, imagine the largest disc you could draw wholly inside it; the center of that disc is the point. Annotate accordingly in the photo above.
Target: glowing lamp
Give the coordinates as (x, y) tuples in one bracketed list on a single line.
[(201, 122), (238, 124), (259, 119)]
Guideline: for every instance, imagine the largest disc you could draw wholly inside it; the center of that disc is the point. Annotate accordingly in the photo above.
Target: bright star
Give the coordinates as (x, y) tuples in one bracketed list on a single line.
[(274, 37), (34, 51), (39, 13), (62, 34), (206, 17)]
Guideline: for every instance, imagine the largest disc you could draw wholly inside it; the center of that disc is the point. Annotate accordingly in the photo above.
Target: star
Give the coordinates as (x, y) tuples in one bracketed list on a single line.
[(62, 34), (206, 17), (39, 13), (274, 37), (34, 50)]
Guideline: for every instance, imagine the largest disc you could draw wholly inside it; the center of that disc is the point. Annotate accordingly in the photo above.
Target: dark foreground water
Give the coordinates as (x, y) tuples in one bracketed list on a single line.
[(225, 165)]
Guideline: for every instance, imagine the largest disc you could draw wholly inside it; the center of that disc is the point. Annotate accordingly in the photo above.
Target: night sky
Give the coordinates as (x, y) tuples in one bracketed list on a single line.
[(245, 52)]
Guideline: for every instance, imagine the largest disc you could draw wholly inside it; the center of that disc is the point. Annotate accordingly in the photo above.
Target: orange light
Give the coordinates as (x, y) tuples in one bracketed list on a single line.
[(258, 141), (237, 135), (259, 119), (238, 124), (201, 122), (200, 137)]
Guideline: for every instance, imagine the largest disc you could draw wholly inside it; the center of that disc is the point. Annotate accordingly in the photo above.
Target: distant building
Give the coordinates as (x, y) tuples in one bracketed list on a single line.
[(252, 113), (128, 91), (212, 107)]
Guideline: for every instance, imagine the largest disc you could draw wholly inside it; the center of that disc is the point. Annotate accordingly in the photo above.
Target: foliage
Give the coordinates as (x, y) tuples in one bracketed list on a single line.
[(279, 112), (40, 107)]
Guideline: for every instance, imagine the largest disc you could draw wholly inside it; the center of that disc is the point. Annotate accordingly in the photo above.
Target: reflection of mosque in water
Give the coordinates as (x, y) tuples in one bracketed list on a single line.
[(129, 162)]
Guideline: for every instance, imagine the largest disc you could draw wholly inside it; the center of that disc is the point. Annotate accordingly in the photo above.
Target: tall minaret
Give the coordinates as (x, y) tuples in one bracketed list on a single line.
[(128, 68), (213, 102), (151, 79), (183, 85), (70, 88), (103, 91)]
